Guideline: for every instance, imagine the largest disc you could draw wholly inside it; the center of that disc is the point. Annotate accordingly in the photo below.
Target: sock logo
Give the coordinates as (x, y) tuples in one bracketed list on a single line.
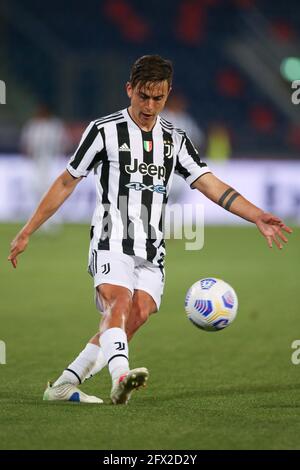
[(121, 346), (106, 268)]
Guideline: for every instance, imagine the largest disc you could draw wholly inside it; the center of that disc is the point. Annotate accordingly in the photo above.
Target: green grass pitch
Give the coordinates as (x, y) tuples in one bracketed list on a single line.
[(235, 389)]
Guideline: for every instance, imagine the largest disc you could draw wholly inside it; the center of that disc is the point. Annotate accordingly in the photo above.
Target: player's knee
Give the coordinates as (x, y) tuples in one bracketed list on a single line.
[(116, 300)]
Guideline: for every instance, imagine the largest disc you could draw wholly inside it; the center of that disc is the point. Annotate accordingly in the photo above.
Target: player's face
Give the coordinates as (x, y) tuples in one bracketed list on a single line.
[(147, 102)]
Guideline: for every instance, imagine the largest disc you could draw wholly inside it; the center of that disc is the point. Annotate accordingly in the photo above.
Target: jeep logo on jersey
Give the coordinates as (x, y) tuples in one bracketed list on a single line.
[(146, 169), (168, 148)]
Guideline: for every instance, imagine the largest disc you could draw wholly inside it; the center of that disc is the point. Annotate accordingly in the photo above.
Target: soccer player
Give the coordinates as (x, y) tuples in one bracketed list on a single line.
[(133, 154)]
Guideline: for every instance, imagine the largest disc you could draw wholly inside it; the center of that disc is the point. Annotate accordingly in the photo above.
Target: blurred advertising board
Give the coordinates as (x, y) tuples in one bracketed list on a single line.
[(272, 185)]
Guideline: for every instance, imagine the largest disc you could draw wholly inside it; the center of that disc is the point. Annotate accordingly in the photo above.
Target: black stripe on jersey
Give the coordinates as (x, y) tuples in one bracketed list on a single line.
[(109, 116), (193, 153), (91, 264), (125, 159), (97, 158), (95, 261), (147, 200), (181, 170), (103, 243), (86, 144), (167, 128), (92, 271), (168, 160), (179, 131), (182, 141), (166, 123), (168, 164), (92, 232), (160, 263), (99, 124)]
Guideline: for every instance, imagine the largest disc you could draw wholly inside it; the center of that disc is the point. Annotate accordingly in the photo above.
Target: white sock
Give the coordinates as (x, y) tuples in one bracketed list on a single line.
[(99, 365), (115, 350), (80, 368)]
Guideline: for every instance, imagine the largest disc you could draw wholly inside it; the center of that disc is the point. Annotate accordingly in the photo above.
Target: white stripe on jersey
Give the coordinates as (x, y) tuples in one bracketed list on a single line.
[(134, 172)]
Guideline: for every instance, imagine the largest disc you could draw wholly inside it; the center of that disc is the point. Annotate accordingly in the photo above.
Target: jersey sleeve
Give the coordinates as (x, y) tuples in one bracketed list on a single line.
[(88, 152), (188, 163)]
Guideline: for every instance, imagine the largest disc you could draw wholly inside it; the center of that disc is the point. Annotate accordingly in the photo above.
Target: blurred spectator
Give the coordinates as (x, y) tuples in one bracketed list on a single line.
[(283, 31), (176, 112), (218, 143), (293, 137), (262, 118), (133, 27), (229, 83), (44, 140), (191, 23)]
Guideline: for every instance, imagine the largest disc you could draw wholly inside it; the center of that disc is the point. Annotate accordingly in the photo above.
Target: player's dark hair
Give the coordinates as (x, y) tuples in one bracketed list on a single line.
[(151, 69)]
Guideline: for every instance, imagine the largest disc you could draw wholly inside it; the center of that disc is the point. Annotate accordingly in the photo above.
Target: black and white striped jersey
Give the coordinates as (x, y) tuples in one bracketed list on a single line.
[(134, 171)]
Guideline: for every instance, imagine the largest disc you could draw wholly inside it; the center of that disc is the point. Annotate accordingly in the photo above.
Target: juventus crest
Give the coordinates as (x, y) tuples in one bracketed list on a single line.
[(168, 148)]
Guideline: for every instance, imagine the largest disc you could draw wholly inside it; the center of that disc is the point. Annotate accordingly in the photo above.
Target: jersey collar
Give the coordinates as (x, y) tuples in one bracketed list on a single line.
[(136, 126)]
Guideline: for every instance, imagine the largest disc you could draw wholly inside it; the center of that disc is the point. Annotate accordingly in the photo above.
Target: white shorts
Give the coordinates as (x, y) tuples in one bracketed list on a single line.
[(132, 272)]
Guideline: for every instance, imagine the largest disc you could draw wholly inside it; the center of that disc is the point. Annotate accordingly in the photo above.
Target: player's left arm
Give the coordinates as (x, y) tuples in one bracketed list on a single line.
[(270, 226)]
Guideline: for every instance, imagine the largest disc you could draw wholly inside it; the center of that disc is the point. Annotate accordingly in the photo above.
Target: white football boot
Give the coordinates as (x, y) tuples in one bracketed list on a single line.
[(68, 392), (126, 383)]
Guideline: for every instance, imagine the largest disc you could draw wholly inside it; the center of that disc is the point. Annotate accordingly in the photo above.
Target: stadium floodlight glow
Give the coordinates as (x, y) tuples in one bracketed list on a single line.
[(290, 68)]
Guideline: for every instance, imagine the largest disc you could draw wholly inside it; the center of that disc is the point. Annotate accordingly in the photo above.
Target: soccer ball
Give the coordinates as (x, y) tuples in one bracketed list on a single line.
[(211, 304)]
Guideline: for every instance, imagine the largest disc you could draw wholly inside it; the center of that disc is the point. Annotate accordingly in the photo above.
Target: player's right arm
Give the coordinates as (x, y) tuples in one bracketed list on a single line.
[(270, 226), (60, 190)]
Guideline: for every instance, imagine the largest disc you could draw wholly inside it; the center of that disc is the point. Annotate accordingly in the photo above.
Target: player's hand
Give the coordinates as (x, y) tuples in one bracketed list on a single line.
[(17, 246), (272, 228)]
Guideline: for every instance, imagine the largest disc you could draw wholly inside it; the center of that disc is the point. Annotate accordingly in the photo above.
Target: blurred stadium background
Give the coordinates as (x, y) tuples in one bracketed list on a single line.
[(235, 61)]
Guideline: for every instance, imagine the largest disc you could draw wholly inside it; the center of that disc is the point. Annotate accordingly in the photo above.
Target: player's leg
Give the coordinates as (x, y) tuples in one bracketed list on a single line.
[(91, 360), (114, 282), (106, 267), (80, 368), (100, 361), (65, 388), (142, 306), (116, 305), (114, 342), (149, 285)]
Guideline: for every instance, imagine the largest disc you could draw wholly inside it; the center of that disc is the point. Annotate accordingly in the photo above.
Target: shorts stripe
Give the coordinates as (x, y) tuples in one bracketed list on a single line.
[(95, 256)]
